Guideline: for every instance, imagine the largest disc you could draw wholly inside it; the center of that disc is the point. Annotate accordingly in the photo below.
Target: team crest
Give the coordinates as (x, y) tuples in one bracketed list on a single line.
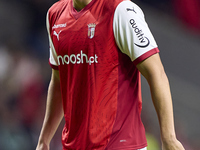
[(91, 30)]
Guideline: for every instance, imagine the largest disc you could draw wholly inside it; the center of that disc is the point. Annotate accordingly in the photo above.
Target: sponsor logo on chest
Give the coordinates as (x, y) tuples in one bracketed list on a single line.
[(79, 58)]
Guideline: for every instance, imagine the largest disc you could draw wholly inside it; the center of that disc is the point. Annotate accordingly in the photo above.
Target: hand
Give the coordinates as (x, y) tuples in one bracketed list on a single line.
[(42, 147), (172, 145)]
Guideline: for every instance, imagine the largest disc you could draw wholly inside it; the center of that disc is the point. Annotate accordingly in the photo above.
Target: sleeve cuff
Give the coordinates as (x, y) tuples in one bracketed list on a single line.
[(146, 55), (53, 66)]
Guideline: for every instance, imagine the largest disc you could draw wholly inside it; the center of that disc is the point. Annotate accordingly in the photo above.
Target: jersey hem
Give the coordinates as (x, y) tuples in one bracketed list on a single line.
[(53, 66), (146, 55), (130, 147)]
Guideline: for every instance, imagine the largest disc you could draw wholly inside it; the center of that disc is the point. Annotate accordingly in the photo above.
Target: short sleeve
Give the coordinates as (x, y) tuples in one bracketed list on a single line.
[(132, 33), (52, 52)]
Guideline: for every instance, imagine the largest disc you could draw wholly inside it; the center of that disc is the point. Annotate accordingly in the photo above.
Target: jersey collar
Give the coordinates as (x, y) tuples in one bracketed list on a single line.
[(78, 14)]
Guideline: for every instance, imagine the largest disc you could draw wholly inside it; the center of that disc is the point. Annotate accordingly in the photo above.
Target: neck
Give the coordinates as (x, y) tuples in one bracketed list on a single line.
[(80, 4)]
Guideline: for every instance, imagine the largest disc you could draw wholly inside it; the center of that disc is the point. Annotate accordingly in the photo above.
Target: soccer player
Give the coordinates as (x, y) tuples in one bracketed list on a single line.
[(98, 48)]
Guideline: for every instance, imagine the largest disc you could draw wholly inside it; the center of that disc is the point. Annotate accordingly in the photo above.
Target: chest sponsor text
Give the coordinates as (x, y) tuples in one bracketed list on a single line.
[(79, 58)]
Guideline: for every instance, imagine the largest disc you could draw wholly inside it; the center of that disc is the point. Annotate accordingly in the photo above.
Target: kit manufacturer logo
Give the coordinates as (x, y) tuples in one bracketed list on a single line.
[(57, 34), (131, 9)]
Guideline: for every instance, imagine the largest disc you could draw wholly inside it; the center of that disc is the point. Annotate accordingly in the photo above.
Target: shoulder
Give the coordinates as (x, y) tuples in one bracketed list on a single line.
[(111, 4), (128, 6), (58, 7)]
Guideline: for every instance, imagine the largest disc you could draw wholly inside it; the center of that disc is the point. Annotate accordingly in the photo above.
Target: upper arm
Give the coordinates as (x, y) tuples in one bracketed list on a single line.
[(55, 76), (152, 68)]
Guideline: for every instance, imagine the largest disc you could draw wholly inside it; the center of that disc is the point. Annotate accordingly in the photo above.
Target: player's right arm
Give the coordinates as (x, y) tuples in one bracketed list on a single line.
[(54, 112)]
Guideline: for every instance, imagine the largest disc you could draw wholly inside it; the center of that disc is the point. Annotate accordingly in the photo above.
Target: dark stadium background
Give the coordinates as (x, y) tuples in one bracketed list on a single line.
[(25, 73)]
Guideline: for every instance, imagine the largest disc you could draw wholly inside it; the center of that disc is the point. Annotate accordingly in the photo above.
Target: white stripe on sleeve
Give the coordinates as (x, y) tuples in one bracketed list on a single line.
[(52, 51)]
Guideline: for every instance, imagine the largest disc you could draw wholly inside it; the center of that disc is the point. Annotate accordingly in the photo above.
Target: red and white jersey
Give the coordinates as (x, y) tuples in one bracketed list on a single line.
[(96, 52)]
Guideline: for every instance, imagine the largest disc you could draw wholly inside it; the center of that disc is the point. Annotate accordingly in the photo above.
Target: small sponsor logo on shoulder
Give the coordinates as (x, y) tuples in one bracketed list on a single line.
[(143, 40), (122, 141), (59, 26)]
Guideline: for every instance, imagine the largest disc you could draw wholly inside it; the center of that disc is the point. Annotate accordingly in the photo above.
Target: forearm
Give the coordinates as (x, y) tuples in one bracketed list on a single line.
[(54, 112), (162, 100)]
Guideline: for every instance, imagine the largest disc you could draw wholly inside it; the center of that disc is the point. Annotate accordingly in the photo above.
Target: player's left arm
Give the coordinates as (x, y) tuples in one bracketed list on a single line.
[(152, 69)]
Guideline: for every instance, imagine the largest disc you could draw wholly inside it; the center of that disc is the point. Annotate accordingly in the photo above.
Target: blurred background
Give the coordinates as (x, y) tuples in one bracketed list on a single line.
[(25, 72)]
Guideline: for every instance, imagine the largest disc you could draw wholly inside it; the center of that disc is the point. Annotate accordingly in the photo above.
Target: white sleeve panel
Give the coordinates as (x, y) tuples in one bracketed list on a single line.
[(52, 53), (131, 31)]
